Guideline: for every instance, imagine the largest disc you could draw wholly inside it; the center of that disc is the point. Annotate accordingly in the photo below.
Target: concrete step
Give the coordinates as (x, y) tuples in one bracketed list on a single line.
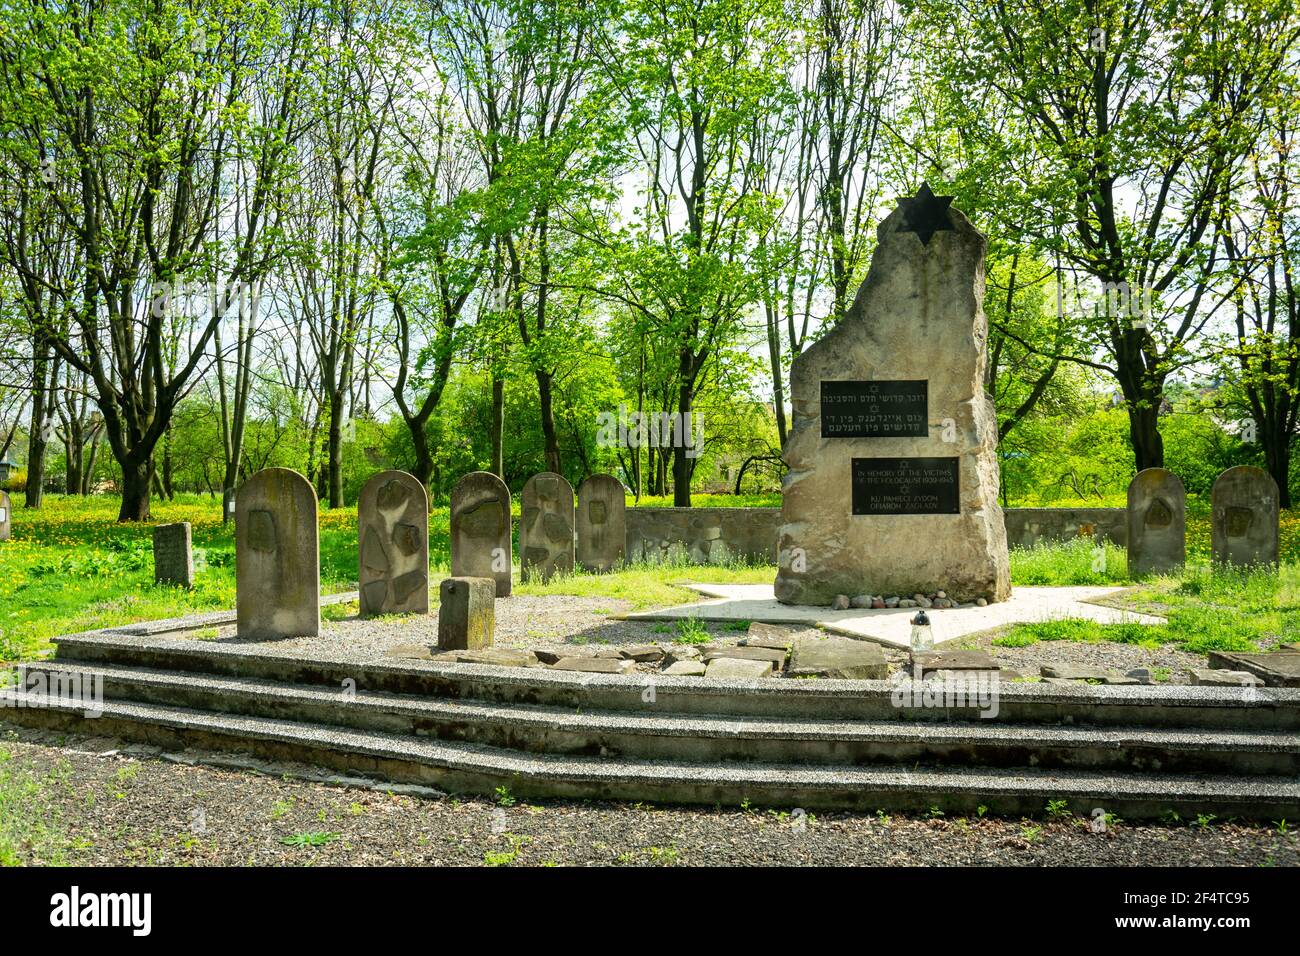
[(474, 768), (650, 734), (1217, 708)]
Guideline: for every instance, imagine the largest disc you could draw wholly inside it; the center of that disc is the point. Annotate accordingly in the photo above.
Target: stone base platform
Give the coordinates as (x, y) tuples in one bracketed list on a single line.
[(892, 626)]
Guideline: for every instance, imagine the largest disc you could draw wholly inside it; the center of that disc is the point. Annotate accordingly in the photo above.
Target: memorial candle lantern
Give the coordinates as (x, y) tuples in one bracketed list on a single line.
[(922, 634)]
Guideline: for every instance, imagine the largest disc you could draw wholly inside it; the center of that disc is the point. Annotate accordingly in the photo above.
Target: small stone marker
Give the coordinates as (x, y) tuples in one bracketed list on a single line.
[(467, 614), (602, 523), (173, 555), (893, 482), (1157, 523), (546, 527), (1244, 521), (277, 557), (6, 516), (480, 529), (1206, 677), (393, 545)]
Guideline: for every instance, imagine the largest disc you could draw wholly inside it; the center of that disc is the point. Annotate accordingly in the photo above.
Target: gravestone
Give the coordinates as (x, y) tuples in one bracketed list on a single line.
[(6, 516), (1157, 523), (892, 485), (546, 527), (602, 523), (173, 555), (277, 556), (1244, 521), (393, 545), (466, 613), (480, 529)]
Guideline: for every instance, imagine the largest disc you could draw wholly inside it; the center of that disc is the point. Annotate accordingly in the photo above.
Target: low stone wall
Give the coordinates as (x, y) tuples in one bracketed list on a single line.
[(718, 535), (1027, 527)]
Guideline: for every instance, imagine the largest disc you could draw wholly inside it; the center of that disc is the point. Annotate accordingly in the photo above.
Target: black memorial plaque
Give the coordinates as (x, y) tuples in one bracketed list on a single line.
[(896, 408), (906, 486)]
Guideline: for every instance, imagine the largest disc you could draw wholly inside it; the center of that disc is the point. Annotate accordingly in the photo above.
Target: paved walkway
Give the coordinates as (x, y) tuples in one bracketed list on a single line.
[(756, 602)]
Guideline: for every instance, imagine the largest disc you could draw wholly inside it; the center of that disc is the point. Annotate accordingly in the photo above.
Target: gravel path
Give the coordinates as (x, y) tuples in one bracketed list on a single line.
[(118, 809)]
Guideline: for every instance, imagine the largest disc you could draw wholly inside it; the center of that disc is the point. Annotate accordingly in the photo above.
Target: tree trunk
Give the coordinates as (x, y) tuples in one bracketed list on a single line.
[(1277, 458), (35, 488), (335, 469), (137, 478), (681, 464), (552, 442), (498, 427)]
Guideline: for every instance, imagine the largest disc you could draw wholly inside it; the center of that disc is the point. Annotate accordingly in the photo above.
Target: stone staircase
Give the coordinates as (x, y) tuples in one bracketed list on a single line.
[(1133, 751)]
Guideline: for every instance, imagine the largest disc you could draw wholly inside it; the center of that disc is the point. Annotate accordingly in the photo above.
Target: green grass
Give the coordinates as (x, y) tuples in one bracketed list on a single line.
[(29, 827), (71, 567)]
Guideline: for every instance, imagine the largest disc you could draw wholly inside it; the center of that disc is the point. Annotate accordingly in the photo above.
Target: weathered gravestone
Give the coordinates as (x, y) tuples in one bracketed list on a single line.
[(480, 529), (546, 526), (173, 555), (892, 485), (6, 516), (1157, 522), (602, 523), (277, 556), (1244, 521), (393, 545), (466, 613)]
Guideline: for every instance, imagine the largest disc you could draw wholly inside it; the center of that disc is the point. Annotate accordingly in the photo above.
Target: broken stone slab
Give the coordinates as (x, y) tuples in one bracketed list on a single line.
[(685, 669), (500, 656), (955, 661), (738, 667), (682, 652), (594, 665), (775, 657), (1077, 672), (1216, 677), (768, 635), (1278, 669), (419, 652), (840, 657), (643, 653)]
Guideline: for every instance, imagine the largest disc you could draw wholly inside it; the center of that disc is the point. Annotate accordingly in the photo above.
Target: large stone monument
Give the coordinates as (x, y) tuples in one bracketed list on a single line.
[(173, 554), (1157, 523), (480, 529), (393, 543), (277, 556), (602, 523), (546, 527), (892, 485), (1244, 518)]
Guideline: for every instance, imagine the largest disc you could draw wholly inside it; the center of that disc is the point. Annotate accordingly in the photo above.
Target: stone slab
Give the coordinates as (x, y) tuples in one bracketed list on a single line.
[(6, 516), (546, 523), (277, 557), (955, 661), (768, 635), (892, 626), (775, 656), (1207, 677), (685, 669), (393, 545), (594, 665), (643, 653), (1278, 669), (1157, 523), (601, 523), (1244, 518), (738, 668), (480, 529), (838, 657), (173, 554)]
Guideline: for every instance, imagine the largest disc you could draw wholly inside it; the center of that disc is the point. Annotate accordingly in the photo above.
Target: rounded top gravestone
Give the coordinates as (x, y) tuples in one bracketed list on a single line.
[(480, 529), (1244, 517), (546, 526), (1157, 523), (393, 545), (892, 485), (601, 523), (277, 556)]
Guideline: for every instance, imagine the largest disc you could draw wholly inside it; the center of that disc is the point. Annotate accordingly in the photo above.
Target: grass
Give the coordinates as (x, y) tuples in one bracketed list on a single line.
[(29, 828), (71, 567)]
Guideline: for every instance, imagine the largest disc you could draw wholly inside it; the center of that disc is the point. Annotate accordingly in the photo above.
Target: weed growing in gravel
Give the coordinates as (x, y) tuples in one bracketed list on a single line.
[(690, 630), (503, 797), (310, 839), (29, 830)]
